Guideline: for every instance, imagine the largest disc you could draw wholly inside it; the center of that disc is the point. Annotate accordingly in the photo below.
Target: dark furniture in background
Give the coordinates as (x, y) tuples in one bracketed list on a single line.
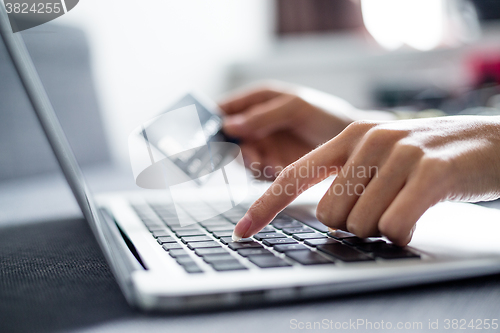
[(305, 16), (319, 16)]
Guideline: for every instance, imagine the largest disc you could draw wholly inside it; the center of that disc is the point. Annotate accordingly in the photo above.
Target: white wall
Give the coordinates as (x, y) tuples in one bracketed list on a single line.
[(147, 53), (350, 66)]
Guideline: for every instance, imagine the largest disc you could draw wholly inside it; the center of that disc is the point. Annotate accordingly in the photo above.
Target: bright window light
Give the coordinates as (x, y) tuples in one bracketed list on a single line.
[(416, 23)]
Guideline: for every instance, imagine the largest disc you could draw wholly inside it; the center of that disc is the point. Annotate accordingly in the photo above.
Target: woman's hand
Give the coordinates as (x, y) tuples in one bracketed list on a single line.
[(389, 174), (280, 123)]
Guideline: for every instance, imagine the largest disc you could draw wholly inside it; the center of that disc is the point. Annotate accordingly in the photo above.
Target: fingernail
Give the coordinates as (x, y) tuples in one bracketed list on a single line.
[(234, 121), (241, 228)]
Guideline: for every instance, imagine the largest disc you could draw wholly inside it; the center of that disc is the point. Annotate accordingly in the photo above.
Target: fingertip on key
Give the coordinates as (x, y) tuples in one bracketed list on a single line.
[(241, 228)]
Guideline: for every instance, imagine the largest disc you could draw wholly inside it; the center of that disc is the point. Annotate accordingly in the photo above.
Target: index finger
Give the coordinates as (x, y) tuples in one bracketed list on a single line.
[(291, 182), (243, 101)]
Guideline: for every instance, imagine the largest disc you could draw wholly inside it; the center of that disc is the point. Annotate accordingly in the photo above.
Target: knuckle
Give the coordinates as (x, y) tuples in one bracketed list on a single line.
[(296, 108), (393, 230), (375, 143), (405, 150), (380, 137), (325, 215), (322, 211), (358, 228), (434, 166), (435, 172), (385, 226), (359, 126), (355, 228), (321, 215), (287, 174)]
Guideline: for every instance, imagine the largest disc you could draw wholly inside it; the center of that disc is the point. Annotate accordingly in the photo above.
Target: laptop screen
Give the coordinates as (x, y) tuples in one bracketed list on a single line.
[(20, 72)]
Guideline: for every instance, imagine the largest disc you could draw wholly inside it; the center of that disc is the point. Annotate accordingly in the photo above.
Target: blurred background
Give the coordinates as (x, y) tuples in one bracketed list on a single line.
[(109, 65)]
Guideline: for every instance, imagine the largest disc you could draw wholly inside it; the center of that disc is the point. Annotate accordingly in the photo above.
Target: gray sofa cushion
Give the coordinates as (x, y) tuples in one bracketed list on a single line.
[(61, 56)]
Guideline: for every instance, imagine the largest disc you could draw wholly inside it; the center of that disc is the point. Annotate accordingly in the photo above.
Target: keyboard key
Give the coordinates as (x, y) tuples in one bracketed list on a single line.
[(188, 228), (170, 220), (227, 240), (365, 244), (253, 252), (297, 230), (162, 240), (276, 241), (220, 234), (235, 213), (315, 224), (162, 233), (261, 236), (220, 223), (313, 235), (185, 260), (193, 268), (308, 257), (162, 206), (228, 227), (234, 219), (320, 241), (340, 234), (169, 216), (171, 246), (191, 239), (200, 245), (200, 210), (354, 241), (280, 224), (178, 253), (268, 261), (228, 266), (343, 252), (214, 223), (389, 251), (268, 228), (247, 245), (289, 247), (192, 232), (211, 258), (174, 225), (209, 251), (155, 228), (164, 213), (263, 231), (150, 220), (282, 217), (369, 247), (140, 207)]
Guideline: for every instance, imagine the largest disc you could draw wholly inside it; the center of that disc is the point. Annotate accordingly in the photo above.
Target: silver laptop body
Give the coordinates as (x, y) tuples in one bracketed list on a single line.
[(152, 277)]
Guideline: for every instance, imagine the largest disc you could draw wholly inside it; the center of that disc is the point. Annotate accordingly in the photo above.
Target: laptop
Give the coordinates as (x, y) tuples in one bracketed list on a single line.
[(175, 254)]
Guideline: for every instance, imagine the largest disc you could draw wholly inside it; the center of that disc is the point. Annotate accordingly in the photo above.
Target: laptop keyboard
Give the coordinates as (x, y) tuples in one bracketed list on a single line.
[(284, 243)]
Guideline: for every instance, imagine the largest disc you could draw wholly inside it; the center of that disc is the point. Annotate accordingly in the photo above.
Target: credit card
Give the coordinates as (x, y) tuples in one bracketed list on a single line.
[(201, 160)]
